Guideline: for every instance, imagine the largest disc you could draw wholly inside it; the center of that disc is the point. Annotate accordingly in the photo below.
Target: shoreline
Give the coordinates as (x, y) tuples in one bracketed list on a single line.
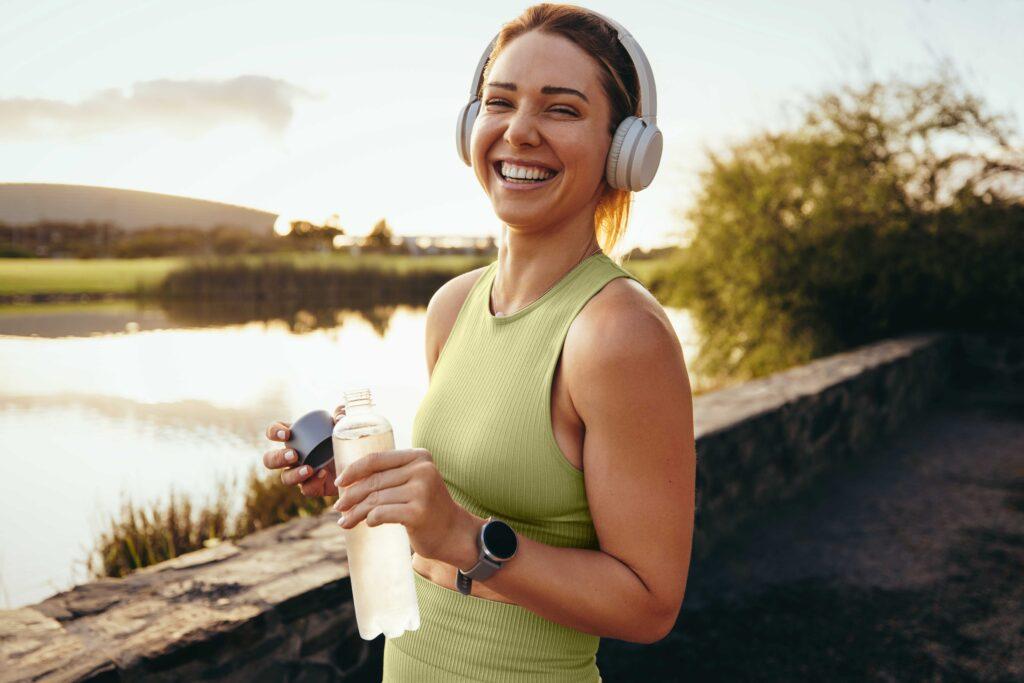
[(66, 297)]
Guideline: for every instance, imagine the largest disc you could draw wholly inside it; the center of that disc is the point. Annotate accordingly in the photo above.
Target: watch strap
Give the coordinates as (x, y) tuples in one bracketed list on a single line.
[(482, 570)]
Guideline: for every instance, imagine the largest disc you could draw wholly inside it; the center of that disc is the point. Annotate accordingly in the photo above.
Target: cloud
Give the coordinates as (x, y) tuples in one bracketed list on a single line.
[(185, 107)]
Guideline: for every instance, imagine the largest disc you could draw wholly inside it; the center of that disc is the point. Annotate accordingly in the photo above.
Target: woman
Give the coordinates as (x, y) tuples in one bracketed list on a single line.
[(559, 401)]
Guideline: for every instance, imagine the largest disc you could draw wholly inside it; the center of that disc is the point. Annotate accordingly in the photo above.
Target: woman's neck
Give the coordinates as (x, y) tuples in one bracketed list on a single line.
[(529, 265)]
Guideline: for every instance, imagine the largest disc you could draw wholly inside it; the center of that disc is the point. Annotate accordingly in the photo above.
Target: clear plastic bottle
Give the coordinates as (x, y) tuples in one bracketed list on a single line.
[(379, 557)]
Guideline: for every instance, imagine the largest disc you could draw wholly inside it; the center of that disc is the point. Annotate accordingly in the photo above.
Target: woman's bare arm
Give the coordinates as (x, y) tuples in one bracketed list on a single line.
[(627, 378)]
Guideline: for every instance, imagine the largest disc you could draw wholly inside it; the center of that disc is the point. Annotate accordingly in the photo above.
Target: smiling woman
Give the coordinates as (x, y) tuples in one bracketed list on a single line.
[(521, 430), (559, 415)]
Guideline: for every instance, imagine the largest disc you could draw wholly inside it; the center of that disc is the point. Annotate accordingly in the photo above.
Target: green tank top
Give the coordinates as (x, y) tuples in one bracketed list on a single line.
[(486, 416)]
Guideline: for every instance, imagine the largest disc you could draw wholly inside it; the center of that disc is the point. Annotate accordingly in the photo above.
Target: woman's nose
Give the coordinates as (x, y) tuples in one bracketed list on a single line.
[(522, 130)]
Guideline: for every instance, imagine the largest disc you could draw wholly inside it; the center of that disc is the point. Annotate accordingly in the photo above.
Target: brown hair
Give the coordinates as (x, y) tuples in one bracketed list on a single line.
[(618, 79)]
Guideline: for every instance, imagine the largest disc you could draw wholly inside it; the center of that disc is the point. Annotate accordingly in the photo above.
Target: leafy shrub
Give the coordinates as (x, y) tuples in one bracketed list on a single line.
[(852, 227)]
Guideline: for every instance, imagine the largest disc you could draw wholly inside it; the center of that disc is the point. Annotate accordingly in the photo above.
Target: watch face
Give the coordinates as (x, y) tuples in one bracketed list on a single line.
[(499, 539)]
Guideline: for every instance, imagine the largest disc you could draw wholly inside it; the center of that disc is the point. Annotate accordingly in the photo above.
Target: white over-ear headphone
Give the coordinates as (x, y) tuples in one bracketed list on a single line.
[(635, 151)]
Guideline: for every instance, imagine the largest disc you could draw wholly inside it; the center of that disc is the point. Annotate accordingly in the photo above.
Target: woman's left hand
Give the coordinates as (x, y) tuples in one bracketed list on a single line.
[(402, 486)]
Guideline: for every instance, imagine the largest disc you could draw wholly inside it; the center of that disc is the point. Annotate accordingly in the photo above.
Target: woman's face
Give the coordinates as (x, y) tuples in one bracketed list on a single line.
[(531, 112)]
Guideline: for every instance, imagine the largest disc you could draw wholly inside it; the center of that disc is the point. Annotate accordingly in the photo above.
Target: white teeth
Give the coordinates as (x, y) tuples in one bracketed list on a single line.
[(524, 172)]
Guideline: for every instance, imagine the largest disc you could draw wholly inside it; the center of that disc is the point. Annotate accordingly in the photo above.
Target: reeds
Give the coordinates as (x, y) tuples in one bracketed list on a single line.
[(360, 282), (145, 535)]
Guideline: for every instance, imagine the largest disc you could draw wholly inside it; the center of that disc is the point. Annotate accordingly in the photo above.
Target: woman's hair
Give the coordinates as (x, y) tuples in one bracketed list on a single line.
[(618, 78)]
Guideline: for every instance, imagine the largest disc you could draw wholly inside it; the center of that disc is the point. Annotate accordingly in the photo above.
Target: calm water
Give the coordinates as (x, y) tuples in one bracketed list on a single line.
[(99, 402)]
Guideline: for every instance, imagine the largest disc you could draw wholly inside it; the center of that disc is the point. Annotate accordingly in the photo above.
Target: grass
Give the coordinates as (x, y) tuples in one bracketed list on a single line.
[(30, 308), (141, 536), (392, 263), (49, 276), (127, 276)]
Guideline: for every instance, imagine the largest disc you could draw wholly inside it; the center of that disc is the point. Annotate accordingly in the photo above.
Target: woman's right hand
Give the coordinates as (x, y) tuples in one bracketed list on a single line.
[(320, 484)]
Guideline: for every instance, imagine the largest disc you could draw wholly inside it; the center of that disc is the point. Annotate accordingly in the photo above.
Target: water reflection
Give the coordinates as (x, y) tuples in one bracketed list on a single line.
[(68, 320), (100, 399), (299, 317)]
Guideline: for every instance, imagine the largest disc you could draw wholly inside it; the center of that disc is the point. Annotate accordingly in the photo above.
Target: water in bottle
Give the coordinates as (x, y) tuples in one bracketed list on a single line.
[(379, 557)]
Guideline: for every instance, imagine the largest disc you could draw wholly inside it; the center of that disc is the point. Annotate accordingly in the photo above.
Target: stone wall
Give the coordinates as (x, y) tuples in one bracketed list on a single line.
[(760, 442), (276, 605)]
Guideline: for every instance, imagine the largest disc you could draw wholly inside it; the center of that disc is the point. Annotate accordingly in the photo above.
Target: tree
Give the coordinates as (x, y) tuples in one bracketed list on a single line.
[(890, 208), (380, 236)]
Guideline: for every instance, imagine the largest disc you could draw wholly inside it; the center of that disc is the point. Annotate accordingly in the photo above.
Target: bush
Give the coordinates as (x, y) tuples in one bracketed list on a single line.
[(15, 252), (851, 228), (146, 535)]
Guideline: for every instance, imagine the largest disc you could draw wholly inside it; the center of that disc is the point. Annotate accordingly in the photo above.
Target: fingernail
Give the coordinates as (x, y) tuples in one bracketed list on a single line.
[(305, 470), (321, 474), (290, 456), (280, 433), (341, 520)]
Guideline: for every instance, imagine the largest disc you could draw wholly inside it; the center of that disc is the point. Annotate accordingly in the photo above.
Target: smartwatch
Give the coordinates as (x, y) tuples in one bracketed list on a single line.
[(497, 543)]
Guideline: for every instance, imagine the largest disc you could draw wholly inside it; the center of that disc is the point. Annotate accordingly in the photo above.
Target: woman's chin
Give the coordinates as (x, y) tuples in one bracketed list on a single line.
[(522, 215)]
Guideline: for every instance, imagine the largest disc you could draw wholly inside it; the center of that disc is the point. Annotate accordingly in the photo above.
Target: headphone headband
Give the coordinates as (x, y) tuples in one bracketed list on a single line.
[(635, 150), (645, 77)]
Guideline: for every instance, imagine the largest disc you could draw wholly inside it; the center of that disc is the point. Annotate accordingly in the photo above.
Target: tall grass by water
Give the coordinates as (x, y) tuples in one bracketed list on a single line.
[(327, 280), (144, 535), (138, 276), (145, 276)]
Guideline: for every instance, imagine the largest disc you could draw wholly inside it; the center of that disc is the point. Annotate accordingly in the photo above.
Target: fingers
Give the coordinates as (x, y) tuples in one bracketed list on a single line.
[(318, 485), (339, 412), (295, 475), (383, 498), (376, 461), (277, 458), (369, 487), (279, 431)]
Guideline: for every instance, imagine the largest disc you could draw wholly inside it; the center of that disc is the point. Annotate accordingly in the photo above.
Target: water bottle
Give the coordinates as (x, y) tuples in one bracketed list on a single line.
[(379, 557)]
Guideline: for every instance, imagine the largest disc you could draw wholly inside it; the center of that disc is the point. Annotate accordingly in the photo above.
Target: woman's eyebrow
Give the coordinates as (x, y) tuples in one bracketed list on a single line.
[(546, 90)]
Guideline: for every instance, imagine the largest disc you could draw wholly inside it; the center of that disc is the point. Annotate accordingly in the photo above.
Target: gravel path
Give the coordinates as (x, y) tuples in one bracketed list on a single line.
[(907, 565)]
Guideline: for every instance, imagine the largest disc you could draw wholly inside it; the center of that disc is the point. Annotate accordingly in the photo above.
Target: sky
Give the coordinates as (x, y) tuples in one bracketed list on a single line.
[(308, 109)]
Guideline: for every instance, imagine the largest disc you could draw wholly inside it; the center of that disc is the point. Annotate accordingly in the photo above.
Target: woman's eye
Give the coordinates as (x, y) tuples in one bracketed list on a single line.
[(561, 110)]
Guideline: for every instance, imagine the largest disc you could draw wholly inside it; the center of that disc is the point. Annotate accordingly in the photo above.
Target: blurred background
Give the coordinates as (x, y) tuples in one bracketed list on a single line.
[(217, 215)]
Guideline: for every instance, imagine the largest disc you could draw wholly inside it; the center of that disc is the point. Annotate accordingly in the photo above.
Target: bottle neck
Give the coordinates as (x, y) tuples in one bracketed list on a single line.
[(358, 400)]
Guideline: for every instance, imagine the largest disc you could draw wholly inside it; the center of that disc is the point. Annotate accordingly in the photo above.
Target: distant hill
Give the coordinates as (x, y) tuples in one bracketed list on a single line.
[(22, 203)]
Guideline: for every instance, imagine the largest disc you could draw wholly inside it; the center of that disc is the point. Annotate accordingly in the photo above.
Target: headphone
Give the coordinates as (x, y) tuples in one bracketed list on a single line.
[(635, 151)]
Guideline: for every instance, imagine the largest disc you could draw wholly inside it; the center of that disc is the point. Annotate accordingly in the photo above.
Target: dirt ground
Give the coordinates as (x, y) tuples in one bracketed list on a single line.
[(907, 565)]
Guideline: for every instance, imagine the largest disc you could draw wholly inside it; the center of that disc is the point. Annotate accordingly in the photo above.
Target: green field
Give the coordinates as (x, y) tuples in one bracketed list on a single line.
[(38, 276), (50, 276)]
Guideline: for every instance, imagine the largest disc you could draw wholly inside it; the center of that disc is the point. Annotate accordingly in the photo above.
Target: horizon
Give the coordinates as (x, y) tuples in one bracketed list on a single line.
[(261, 118)]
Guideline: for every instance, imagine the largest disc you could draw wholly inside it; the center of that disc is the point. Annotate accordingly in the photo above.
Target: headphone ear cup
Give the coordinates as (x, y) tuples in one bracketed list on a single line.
[(634, 155), (646, 157), (612, 170), (464, 129)]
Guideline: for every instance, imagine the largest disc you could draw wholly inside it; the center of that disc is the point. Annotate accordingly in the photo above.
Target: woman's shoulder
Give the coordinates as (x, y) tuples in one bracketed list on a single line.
[(444, 307), (622, 319), (623, 299)]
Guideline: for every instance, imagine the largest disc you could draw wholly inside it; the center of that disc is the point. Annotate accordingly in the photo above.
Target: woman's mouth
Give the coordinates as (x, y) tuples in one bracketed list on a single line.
[(519, 178)]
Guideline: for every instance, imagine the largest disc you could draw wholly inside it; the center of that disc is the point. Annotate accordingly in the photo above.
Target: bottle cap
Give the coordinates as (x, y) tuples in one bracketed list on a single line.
[(311, 439)]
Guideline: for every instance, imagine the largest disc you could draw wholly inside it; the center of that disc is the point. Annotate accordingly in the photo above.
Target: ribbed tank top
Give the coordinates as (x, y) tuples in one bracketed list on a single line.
[(486, 416)]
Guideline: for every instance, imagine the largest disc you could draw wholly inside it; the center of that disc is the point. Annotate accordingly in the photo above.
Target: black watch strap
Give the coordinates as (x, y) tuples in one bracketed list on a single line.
[(483, 569), (463, 582)]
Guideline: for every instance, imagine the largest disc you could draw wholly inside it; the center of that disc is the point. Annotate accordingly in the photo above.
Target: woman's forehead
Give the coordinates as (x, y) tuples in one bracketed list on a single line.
[(535, 60)]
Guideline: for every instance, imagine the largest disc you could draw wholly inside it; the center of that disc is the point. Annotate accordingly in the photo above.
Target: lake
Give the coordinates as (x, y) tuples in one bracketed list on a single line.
[(103, 401)]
